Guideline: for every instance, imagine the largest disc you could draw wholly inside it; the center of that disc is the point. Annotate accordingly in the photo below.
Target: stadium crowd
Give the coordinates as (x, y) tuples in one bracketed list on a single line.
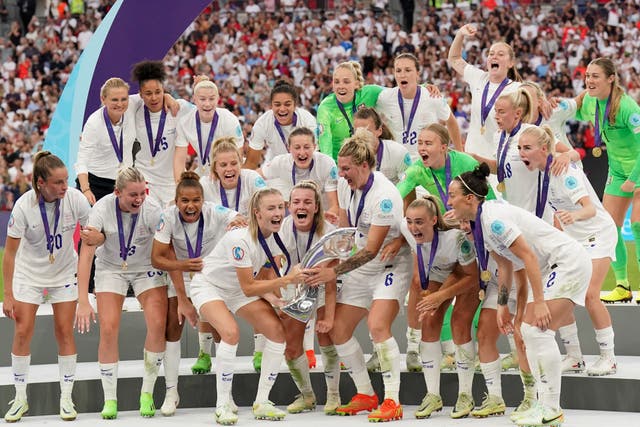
[(245, 47)]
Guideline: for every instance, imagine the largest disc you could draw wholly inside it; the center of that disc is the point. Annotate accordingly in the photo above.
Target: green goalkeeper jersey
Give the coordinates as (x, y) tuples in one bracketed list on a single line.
[(418, 174), (622, 138), (334, 126)]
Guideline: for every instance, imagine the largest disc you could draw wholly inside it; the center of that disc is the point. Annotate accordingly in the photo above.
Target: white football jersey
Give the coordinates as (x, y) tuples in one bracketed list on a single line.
[(187, 134), (96, 154), (382, 206), (324, 173), (32, 263), (430, 110), (265, 135), (564, 193), (482, 144), (250, 182), (236, 250), (453, 248), (103, 217)]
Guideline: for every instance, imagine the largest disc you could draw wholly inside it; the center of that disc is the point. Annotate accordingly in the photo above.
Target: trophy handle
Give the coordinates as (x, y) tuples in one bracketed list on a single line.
[(338, 244)]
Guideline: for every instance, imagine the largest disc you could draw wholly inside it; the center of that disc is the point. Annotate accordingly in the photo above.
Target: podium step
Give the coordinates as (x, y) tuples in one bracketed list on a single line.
[(204, 417), (580, 392)]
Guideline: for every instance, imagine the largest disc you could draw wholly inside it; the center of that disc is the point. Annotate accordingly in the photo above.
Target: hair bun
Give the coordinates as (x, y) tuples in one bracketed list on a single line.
[(482, 171)]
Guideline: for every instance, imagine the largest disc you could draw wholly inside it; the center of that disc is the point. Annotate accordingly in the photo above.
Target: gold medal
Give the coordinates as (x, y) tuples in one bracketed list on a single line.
[(596, 151), (124, 265), (485, 275), (203, 169), (152, 161), (51, 258), (501, 186), (481, 295), (482, 129), (191, 274)]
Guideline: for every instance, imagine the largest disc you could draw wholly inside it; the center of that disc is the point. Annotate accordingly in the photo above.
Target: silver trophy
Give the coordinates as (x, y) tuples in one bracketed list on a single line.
[(300, 299)]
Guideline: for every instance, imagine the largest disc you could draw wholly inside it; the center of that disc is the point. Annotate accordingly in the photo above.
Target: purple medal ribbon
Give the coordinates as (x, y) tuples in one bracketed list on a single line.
[(424, 276), (293, 171), (412, 114), (45, 221), (204, 154), (281, 132), (198, 250), (597, 135), (539, 120), (486, 108), (541, 199), (365, 190), (267, 251), (503, 148), (447, 180), (154, 144), (118, 148), (344, 112), (223, 195), (124, 250), (379, 153), (478, 242), (309, 241)]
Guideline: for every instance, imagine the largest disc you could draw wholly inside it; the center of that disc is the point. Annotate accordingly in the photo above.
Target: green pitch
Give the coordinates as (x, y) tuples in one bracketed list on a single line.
[(609, 283)]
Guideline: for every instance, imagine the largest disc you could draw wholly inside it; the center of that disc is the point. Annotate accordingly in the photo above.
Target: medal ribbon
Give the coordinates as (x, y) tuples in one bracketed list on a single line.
[(486, 108), (412, 114), (597, 134), (281, 132), (154, 144), (118, 148), (447, 180), (346, 116), (267, 252), (293, 171), (204, 155), (541, 199), (379, 154), (365, 190), (194, 253), (45, 221), (309, 240), (124, 250), (503, 148), (478, 242), (424, 276), (223, 195)]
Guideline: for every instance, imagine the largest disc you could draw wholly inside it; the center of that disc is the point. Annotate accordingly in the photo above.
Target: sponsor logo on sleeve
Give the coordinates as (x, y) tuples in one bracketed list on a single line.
[(160, 225), (634, 121), (386, 205), (334, 172), (564, 105), (260, 182), (407, 159), (570, 182), (12, 221), (497, 227), (238, 253)]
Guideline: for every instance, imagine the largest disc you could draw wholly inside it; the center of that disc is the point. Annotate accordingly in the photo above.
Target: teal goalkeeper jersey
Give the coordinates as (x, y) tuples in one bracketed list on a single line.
[(622, 137), (418, 174), (333, 126)]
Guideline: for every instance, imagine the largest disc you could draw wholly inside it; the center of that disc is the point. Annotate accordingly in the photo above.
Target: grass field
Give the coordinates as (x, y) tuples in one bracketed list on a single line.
[(609, 283)]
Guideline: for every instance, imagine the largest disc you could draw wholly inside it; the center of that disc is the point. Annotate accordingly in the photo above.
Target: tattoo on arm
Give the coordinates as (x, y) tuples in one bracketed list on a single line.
[(358, 260), (503, 295)]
